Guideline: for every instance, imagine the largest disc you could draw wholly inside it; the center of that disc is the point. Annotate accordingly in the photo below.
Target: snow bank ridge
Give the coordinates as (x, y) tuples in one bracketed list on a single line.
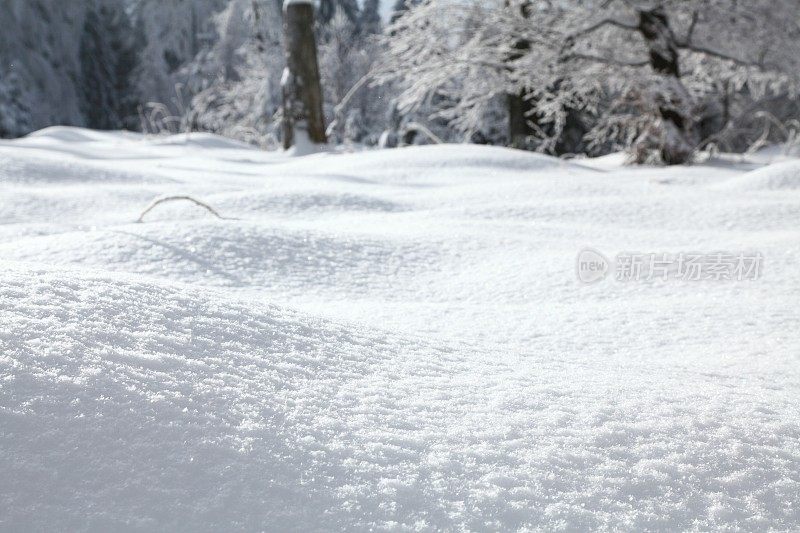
[(783, 176)]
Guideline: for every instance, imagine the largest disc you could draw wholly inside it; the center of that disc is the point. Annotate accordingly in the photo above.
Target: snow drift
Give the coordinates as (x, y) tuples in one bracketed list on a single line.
[(783, 176)]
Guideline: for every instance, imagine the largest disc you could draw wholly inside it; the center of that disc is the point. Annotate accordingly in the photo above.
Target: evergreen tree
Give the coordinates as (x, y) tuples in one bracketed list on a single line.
[(107, 60)]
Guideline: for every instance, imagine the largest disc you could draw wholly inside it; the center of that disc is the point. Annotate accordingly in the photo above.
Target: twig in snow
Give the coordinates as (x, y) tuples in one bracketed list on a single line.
[(195, 201)]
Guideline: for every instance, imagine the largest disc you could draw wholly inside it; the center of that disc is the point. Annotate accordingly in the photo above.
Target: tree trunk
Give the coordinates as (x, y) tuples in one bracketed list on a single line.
[(677, 138), (302, 93), (520, 107)]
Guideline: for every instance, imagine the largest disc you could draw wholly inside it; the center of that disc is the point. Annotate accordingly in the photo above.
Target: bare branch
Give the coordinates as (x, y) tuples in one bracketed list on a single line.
[(605, 22), (692, 26), (607, 60)]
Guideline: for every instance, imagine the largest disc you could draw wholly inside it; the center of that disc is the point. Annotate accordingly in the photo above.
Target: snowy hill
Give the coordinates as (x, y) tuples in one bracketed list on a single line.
[(391, 340)]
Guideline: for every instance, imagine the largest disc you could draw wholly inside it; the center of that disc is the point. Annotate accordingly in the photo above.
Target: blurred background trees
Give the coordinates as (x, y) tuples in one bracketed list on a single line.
[(660, 79)]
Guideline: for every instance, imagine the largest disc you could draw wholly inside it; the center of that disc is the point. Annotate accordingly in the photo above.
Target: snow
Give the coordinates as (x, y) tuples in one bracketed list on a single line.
[(783, 176), (390, 340), (303, 145)]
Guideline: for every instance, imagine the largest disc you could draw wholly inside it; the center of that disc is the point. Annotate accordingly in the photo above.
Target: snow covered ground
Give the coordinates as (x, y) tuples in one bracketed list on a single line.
[(390, 340)]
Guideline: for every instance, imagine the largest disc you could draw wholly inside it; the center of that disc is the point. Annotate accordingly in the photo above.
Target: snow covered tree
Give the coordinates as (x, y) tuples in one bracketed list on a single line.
[(338, 56), (40, 65), (70, 67), (170, 37), (400, 7), (643, 71), (662, 63), (460, 60), (235, 81), (662, 79), (346, 56)]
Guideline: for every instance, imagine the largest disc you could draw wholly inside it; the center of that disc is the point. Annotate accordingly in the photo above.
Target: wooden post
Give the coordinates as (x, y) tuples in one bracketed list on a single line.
[(302, 93)]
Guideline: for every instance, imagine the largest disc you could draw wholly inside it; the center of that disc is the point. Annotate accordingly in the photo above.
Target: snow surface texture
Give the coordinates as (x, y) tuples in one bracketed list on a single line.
[(391, 340)]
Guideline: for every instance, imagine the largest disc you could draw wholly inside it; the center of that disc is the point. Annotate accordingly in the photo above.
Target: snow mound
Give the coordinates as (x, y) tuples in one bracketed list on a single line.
[(42, 169), (432, 161), (233, 254), (214, 414), (70, 135), (783, 176), (201, 140), (229, 409)]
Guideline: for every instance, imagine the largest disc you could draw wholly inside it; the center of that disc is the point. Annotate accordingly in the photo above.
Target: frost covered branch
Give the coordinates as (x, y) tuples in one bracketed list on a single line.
[(719, 55), (424, 129)]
